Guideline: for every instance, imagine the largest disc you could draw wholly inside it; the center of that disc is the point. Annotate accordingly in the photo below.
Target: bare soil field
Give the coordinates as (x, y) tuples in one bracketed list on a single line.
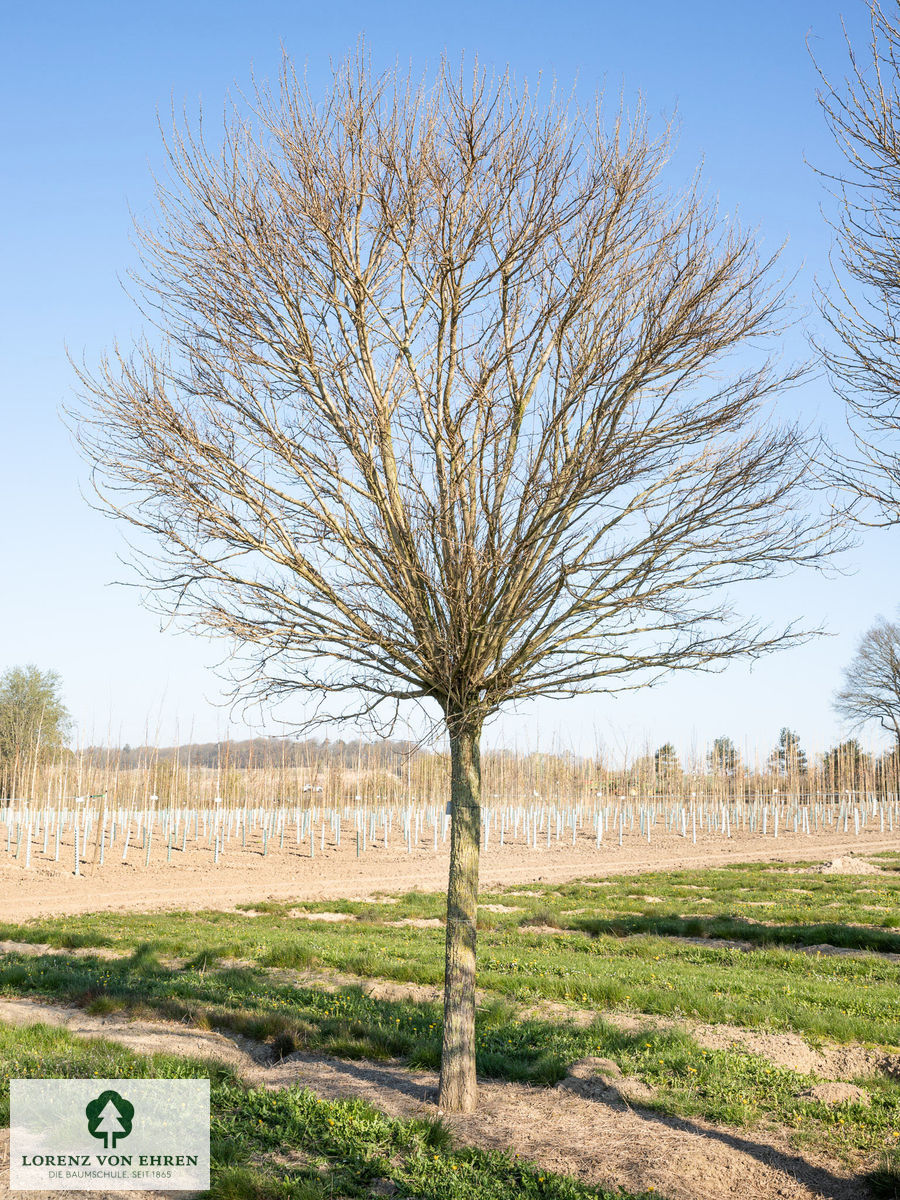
[(193, 881)]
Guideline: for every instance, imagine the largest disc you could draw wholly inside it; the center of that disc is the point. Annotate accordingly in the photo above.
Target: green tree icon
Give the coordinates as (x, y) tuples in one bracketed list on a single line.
[(109, 1117)]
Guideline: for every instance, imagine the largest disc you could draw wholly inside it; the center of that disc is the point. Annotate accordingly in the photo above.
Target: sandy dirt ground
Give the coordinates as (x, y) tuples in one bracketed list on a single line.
[(591, 1132), (193, 881)]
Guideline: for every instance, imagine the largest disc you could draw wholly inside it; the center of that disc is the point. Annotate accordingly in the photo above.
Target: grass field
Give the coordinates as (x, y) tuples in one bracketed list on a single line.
[(621, 944), (637, 945)]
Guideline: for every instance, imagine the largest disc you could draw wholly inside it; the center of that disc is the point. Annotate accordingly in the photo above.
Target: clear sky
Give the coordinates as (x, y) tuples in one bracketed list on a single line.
[(83, 86)]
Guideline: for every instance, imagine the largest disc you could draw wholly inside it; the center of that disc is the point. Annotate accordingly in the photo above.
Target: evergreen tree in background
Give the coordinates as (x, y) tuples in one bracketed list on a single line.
[(723, 758), (666, 763), (788, 758)]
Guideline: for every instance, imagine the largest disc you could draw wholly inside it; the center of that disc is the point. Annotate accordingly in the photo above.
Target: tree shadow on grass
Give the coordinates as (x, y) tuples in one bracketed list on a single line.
[(819, 1179), (335, 1075), (849, 937), (398, 1087), (401, 1091)]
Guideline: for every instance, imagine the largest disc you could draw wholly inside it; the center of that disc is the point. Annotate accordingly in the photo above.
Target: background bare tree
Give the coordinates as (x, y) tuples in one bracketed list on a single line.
[(443, 407), (871, 689), (863, 114)]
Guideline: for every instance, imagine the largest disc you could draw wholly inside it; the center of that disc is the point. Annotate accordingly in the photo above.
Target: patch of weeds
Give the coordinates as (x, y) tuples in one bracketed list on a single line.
[(434, 1133), (272, 907), (283, 1044), (144, 957), (74, 939), (101, 1006), (225, 1151), (297, 957), (245, 1183), (369, 912), (543, 916), (496, 1013), (207, 959), (884, 1181)]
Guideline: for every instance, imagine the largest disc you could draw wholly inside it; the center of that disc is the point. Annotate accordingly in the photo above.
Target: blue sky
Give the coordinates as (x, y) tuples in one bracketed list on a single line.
[(83, 87)]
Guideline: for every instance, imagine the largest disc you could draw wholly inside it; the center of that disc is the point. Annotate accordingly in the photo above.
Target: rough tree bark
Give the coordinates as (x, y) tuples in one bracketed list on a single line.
[(458, 1090)]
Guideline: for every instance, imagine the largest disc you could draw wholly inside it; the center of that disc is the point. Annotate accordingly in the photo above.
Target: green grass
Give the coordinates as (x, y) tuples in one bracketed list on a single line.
[(728, 1086), (289, 1144), (771, 904), (345, 1023), (888, 860), (615, 949), (884, 1181), (617, 944), (848, 937), (822, 997), (39, 1051)]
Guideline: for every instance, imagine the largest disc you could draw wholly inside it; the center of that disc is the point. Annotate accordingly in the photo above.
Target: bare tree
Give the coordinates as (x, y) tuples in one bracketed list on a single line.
[(441, 407), (863, 114), (871, 690)]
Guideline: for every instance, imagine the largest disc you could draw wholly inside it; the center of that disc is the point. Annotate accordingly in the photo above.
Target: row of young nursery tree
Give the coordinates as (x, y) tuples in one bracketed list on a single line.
[(393, 773)]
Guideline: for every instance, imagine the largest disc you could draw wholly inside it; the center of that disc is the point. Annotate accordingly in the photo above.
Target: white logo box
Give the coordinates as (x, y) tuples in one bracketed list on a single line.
[(112, 1135)]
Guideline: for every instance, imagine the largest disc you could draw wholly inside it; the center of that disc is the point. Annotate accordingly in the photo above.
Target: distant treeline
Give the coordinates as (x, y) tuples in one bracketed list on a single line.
[(261, 753)]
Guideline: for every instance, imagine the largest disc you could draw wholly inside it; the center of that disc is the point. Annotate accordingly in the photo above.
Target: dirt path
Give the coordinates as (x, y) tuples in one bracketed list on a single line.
[(192, 881), (601, 1141)]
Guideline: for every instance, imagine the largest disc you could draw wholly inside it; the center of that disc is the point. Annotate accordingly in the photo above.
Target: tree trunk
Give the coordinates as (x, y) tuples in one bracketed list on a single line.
[(458, 1090)]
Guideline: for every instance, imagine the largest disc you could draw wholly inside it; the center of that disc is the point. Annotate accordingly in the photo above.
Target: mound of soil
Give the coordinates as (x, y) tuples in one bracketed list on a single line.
[(601, 1079), (850, 866), (838, 1093)]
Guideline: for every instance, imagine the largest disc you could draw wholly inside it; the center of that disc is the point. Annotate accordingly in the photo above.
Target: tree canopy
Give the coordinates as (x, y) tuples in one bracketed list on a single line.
[(788, 758), (34, 722), (863, 308), (723, 757), (870, 693)]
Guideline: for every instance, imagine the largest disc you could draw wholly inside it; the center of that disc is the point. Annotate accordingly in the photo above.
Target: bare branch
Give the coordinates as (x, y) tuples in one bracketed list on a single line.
[(863, 311), (440, 405)]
